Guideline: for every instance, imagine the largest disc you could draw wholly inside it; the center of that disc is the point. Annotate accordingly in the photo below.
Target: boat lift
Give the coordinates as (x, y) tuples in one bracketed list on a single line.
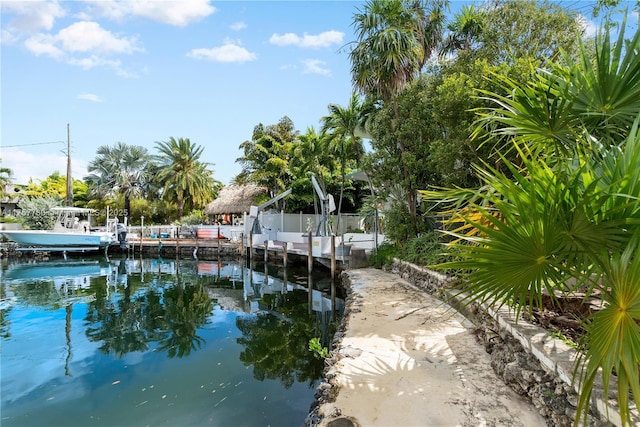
[(253, 223), (327, 205)]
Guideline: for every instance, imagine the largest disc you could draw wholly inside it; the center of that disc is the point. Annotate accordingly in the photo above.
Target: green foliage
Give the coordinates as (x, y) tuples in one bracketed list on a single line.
[(194, 218), (426, 249), (36, 214), (55, 185), (5, 180), (394, 40), (184, 178), (384, 255), (267, 158), (317, 349), (539, 30), (8, 219), (397, 224), (119, 170), (565, 211), (154, 211)]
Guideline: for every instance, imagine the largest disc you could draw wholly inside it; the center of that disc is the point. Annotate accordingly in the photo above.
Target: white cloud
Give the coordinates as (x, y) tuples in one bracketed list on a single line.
[(324, 39), (27, 166), (178, 13), (90, 97), (228, 52), (237, 26), (44, 44), (84, 38), (314, 66), (32, 15), (81, 37), (87, 36), (7, 37)]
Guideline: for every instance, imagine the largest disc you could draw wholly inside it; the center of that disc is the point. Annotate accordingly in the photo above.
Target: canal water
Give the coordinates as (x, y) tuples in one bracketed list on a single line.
[(152, 342)]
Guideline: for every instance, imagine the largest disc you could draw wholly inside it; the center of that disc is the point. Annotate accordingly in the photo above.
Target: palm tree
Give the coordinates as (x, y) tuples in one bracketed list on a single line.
[(342, 124), (266, 159), (181, 173), (395, 38), (119, 169), (312, 155), (464, 30)]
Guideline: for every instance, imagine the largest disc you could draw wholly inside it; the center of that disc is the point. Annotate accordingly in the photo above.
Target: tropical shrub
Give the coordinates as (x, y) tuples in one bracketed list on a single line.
[(36, 213), (570, 209)]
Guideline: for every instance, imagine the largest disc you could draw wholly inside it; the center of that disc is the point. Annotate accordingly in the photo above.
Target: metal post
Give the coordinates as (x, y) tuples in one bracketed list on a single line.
[(310, 254), (333, 257), (310, 291), (266, 251), (141, 232), (218, 241), (177, 241), (250, 245)]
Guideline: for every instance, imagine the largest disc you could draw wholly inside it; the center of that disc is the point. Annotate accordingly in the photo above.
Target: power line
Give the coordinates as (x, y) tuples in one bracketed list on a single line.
[(35, 143)]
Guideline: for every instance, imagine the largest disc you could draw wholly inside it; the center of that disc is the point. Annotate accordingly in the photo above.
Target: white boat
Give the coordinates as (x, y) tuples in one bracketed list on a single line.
[(70, 233)]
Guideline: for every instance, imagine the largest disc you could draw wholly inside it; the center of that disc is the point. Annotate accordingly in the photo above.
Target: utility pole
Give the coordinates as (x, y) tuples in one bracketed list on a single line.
[(69, 178)]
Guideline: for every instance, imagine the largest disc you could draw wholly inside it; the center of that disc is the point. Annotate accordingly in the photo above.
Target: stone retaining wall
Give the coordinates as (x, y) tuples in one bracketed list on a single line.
[(525, 356)]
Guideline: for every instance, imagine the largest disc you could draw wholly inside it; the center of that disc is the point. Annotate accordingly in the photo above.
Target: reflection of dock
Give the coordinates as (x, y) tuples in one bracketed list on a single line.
[(185, 248)]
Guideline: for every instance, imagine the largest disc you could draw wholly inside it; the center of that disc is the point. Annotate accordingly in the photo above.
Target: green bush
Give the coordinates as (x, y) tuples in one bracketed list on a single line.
[(383, 256), (425, 250), (36, 212), (196, 217), (10, 219)]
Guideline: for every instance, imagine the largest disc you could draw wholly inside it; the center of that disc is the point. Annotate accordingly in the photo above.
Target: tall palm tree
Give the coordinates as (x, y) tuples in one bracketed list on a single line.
[(121, 169), (395, 38), (181, 173), (342, 124)]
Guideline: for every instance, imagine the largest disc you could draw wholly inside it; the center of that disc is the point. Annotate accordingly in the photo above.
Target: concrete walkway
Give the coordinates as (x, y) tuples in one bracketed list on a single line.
[(408, 359)]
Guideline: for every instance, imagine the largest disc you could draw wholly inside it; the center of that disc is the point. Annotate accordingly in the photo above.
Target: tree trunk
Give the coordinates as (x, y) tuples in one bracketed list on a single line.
[(180, 204), (127, 206)]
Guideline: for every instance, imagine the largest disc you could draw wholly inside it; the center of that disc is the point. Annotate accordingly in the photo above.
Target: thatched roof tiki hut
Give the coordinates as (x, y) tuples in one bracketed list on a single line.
[(234, 201)]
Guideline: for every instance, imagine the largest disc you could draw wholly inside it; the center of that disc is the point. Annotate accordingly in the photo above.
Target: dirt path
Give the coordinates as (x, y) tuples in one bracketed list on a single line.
[(407, 359)]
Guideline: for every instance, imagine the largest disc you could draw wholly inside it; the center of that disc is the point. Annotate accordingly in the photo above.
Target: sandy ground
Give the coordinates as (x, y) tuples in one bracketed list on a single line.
[(411, 360)]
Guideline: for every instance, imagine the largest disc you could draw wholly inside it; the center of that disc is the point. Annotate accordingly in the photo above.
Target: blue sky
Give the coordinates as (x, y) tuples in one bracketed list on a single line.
[(142, 71)]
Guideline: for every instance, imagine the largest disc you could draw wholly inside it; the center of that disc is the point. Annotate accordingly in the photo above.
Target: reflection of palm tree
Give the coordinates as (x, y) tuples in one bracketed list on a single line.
[(126, 325), (186, 309), (278, 349), (69, 310), (4, 324)]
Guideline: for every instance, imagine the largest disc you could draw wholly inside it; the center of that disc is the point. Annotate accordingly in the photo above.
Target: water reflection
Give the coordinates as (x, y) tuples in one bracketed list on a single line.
[(118, 318)]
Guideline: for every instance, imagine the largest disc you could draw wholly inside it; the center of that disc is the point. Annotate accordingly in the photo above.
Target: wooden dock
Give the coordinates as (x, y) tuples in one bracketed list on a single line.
[(212, 248)]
